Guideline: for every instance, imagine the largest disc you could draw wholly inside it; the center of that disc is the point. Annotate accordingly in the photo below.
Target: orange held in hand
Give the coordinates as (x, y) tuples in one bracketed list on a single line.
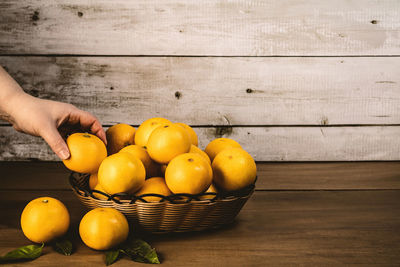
[(87, 152), (167, 142), (44, 219), (121, 173), (119, 136), (188, 173), (103, 228)]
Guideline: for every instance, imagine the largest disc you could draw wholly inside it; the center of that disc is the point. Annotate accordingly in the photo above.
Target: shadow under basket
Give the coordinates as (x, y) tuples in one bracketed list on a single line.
[(175, 213)]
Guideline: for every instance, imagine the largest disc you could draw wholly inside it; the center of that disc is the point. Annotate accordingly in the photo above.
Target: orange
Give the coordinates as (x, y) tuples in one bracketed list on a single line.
[(234, 169), (167, 142), (141, 153), (163, 167), (98, 187), (121, 173), (219, 144), (154, 185), (103, 228), (87, 152), (146, 128), (119, 136), (192, 134), (44, 219), (211, 189), (195, 149), (188, 173), (93, 180)]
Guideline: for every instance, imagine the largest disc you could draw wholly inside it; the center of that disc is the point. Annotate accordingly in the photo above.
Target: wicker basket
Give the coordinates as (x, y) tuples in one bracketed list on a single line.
[(175, 213)]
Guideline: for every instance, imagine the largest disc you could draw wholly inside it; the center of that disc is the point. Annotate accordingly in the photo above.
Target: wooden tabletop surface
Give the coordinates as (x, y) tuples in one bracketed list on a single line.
[(321, 214)]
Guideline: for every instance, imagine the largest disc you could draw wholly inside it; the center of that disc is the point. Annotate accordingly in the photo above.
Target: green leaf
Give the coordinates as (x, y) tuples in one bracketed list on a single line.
[(63, 246), (112, 256), (29, 252), (140, 251)]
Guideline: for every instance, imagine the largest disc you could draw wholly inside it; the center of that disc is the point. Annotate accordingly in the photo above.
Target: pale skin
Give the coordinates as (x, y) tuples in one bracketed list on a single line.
[(51, 120)]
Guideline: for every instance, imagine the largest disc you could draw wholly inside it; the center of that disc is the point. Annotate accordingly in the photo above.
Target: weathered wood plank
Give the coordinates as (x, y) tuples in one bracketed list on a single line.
[(271, 176), (263, 143), (311, 228), (180, 27), (219, 91)]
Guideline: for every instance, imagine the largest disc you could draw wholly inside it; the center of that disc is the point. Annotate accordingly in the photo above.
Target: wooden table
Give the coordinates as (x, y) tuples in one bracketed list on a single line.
[(301, 214)]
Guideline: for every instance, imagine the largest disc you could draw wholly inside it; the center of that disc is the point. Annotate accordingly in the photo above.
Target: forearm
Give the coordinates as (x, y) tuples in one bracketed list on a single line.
[(10, 91)]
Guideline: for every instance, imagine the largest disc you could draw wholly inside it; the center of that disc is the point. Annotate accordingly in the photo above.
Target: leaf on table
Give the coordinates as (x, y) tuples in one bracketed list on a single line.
[(112, 256), (140, 251), (63, 246), (29, 252)]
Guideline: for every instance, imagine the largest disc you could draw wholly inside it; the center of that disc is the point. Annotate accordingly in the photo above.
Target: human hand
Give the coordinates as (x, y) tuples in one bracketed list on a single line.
[(51, 120)]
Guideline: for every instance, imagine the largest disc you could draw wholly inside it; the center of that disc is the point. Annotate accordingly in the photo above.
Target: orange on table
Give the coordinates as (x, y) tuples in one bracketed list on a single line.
[(188, 173), (103, 228), (167, 142), (93, 181), (118, 136), (195, 149), (219, 144), (141, 153), (44, 219), (154, 185), (121, 173), (234, 169), (146, 128), (192, 134), (87, 152)]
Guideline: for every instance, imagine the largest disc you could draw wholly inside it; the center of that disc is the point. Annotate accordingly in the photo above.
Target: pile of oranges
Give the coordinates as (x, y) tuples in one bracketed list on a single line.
[(159, 157)]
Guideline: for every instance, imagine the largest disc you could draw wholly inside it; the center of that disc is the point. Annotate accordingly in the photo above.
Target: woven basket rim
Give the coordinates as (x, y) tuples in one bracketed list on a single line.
[(74, 180)]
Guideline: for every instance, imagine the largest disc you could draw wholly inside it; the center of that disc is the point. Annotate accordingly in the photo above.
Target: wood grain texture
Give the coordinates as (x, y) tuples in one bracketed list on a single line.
[(219, 91), (263, 143), (271, 176), (311, 228), (178, 27), (328, 176)]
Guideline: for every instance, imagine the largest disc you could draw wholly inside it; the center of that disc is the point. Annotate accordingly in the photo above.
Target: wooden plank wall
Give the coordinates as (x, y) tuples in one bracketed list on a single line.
[(291, 80)]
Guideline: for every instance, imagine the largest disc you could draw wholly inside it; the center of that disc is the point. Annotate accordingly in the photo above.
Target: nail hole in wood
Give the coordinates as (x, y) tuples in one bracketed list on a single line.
[(35, 16)]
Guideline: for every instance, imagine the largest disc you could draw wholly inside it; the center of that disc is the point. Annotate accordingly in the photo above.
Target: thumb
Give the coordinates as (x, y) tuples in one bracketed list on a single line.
[(56, 142)]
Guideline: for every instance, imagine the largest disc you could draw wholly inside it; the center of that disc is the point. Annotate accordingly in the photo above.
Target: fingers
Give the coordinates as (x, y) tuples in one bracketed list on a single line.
[(92, 124), (56, 142), (98, 130)]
